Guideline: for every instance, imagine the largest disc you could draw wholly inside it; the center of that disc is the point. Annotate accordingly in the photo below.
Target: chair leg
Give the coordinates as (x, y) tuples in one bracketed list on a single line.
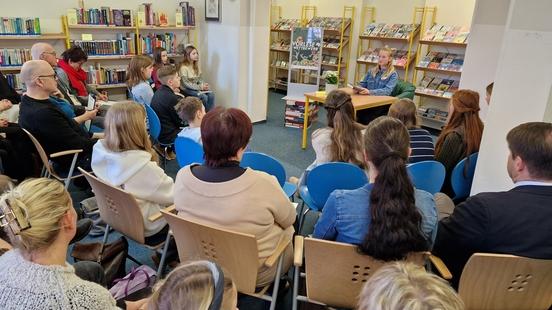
[(295, 287), (276, 283), (43, 172), (104, 239), (73, 163), (163, 256), (300, 219)]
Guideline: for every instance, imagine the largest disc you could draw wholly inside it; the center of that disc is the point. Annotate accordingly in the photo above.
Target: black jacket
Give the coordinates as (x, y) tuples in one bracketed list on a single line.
[(517, 222), (163, 102), (54, 130), (7, 92)]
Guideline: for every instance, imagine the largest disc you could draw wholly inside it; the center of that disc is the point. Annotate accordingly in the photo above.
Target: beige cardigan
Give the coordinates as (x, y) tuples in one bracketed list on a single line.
[(254, 203)]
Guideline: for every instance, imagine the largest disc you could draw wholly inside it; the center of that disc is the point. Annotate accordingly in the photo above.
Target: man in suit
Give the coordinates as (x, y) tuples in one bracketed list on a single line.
[(53, 128), (517, 221)]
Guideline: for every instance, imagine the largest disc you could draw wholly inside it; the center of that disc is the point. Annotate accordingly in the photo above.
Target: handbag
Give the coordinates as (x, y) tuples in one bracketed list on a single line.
[(112, 256), (138, 279)]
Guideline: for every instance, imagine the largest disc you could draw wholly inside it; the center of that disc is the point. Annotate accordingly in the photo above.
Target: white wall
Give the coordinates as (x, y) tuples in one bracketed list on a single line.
[(484, 46), (522, 90)]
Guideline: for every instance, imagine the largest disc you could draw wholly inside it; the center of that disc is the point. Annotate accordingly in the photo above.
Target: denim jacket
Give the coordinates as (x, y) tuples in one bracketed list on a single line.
[(346, 215), (379, 86)]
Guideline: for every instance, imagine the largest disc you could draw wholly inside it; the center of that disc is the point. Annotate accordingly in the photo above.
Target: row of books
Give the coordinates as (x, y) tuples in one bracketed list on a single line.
[(152, 40), (187, 14), (329, 60), (329, 23), (123, 46), (331, 43), (102, 16), (443, 61), (437, 86), (19, 26), (106, 75), (14, 56), (400, 57), (433, 113), (286, 24), (295, 113), (447, 33), (281, 45), (279, 63), (383, 30), (14, 80)]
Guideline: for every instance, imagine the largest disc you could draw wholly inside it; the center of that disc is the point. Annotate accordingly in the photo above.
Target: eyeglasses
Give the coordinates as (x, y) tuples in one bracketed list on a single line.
[(53, 53), (54, 76)]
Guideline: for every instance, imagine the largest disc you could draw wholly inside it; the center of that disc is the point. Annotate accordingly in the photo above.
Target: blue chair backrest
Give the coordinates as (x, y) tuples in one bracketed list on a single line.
[(462, 177), (325, 178), (188, 151), (153, 122), (428, 175), (266, 163)]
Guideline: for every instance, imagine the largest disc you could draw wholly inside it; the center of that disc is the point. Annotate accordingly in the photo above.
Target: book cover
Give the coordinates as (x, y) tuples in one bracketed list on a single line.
[(436, 61), (462, 37), (445, 85), (426, 81), (118, 17), (72, 17), (446, 62), (127, 17), (457, 63), (435, 83)]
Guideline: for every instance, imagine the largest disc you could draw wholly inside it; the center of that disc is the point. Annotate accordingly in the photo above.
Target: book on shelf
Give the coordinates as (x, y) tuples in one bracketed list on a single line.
[(433, 113), (102, 16), (437, 86), (400, 57), (446, 33), (188, 13), (20, 26), (14, 56), (436, 60), (14, 80), (106, 75), (123, 45), (285, 24), (328, 23), (383, 30), (442, 61), (152, 40), (283, 44), (426, 81)]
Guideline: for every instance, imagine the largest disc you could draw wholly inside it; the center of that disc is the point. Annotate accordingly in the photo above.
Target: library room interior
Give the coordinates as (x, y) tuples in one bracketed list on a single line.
[(276, 154)]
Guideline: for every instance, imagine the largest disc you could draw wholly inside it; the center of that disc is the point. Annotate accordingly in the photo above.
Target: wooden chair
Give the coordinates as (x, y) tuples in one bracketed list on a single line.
[(120, 210), (335, 272), (236, 252), (505, 282), (48, 169)]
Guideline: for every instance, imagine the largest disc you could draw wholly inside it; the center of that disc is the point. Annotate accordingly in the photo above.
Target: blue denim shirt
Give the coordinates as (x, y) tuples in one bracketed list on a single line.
[(346, 215), (378, 86)]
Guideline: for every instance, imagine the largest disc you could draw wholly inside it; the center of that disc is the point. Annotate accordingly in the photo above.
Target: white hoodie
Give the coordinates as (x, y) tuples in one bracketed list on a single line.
[(134, 172)]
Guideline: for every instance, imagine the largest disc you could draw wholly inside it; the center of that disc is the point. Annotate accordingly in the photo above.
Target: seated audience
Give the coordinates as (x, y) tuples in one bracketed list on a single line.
[(198, 285), (191, 110), (192, 83), (70, 73), (342, 139), (421, 142), (387, 217), (513, 222), (402, 285), (160, 59), (138, 74), (126, 159), (40, 222), (489, 92), (462, 134), (53, 129), (223, 194), (164, 101)]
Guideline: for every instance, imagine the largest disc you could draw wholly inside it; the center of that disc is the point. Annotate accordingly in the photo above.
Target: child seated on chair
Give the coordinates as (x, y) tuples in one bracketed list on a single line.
[(164, 101), (191, 110)]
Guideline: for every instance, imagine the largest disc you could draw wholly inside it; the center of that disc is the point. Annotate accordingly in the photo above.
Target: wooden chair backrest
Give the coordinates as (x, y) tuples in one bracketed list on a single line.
[(118, 208), (336, 272), (236, 252), (41, 152), (499, 281)]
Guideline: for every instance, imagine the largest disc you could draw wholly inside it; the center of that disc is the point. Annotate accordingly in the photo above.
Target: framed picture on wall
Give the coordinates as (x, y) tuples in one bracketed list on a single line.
[(212, 10)]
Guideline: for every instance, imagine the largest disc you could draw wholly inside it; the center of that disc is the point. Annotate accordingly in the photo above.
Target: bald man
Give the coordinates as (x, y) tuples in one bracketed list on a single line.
[(47, 122)]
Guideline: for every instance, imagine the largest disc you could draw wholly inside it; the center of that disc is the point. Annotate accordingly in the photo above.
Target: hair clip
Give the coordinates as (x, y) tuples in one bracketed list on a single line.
[(13, 218)]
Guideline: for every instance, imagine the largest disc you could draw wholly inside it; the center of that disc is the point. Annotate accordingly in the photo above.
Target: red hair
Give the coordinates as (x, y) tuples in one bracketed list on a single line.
[(224, 132)]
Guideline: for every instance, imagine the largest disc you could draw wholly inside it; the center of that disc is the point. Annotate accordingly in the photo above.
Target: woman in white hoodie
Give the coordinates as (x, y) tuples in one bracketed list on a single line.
[(125, 159)]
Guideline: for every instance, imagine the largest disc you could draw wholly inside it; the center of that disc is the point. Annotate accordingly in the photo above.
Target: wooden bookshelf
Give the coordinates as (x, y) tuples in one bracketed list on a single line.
[(109, 86), (441, 43), (405, 40), (279, 50), (431, 96), (101, 27), (432, 119), (450, 72), (345, 42), (44, 36), (10, 68), (401, 67), (162, 28), (337, 31), (109, 57)]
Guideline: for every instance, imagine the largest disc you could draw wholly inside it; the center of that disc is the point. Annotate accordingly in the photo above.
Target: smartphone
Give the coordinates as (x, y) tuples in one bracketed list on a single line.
[(355, 87), (91, 102)]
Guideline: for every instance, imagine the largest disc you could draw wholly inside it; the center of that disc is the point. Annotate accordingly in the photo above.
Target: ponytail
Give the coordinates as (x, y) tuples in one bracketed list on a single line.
[(395, 228)]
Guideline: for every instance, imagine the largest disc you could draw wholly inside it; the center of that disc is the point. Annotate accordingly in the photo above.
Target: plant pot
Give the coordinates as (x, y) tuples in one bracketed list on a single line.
[(330, 87)]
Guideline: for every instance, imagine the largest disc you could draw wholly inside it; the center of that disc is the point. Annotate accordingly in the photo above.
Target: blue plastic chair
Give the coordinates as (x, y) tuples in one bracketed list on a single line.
[(188, 151), (462, 177), (155, 129), (428, 175), (270, 165)]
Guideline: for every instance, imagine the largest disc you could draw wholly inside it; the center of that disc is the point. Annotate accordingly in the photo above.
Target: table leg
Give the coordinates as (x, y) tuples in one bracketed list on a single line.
[(305, 123)]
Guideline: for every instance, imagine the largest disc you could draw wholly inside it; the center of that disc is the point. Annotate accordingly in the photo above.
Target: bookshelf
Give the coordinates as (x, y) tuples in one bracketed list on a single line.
[(439, 62), (399, 37), (44, 36), (280, 37)]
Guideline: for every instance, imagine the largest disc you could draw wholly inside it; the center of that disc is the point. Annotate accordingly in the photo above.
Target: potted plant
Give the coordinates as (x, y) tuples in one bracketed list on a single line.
[(331, 78)]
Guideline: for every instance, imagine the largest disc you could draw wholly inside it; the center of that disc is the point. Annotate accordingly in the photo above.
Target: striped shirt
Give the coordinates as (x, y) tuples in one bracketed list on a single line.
[(421, 144)]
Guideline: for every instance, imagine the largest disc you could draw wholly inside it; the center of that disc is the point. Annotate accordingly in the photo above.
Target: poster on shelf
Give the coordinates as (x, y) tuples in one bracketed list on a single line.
[(306, 48)]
